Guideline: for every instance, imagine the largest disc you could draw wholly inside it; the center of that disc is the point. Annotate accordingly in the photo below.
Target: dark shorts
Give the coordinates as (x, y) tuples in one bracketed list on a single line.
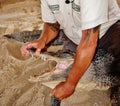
[(111, 43), (111, 40)]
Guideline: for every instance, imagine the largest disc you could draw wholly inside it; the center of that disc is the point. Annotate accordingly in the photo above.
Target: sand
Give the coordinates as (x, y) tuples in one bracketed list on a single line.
[(15, 89)]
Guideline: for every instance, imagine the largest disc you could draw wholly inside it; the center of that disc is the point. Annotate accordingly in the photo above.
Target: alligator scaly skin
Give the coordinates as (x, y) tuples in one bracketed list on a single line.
[(24, 36)]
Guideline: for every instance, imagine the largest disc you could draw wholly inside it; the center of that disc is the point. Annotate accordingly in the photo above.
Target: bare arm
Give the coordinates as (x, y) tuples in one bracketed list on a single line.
[(84, 54), (50, 31)]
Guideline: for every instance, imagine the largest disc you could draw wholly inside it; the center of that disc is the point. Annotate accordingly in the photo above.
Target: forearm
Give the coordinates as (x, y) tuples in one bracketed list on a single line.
[(50, 31), (84, 54)]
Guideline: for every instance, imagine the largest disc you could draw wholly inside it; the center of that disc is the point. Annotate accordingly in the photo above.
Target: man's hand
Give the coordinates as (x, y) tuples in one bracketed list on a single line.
[(50, 31), (36, 44), (63, 90)]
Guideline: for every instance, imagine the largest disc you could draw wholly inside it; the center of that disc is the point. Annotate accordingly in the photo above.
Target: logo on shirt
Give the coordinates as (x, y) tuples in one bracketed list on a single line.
[(54, 7), (75, 7)]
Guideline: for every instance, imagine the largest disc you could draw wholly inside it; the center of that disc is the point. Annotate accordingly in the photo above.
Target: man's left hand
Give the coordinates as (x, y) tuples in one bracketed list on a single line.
[(63, 90)]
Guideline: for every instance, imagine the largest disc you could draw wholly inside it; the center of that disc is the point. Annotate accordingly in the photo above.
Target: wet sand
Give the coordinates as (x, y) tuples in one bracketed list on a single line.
[(15, 89)]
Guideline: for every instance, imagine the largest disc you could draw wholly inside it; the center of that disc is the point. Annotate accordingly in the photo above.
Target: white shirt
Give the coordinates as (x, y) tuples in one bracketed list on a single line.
[(80, 15)]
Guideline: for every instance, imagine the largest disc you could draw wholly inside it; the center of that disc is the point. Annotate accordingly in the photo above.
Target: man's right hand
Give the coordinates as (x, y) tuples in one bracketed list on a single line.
[(36, 44)]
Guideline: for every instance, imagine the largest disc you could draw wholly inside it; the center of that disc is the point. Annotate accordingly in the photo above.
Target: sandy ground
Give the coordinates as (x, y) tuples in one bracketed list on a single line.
[(19, 15), (15, 89)]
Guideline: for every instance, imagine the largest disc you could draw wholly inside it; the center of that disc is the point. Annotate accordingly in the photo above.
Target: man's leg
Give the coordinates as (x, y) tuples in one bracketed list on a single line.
[(111, 43), (111, 40)]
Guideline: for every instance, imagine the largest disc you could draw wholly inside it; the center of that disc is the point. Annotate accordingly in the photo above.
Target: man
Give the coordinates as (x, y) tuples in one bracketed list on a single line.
[(84, 22)]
